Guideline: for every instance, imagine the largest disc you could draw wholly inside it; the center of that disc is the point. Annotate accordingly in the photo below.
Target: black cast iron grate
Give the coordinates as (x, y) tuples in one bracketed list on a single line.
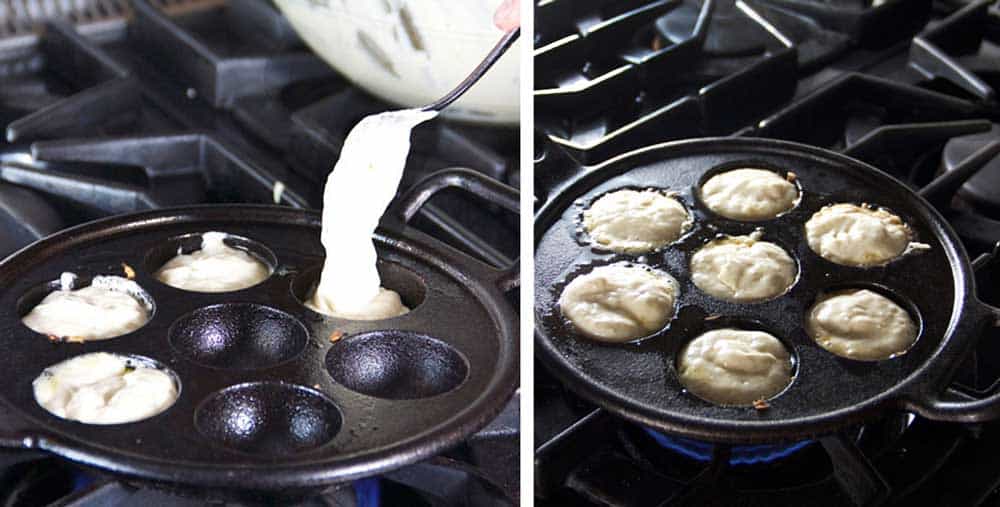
[(611, 79), (230, 78)]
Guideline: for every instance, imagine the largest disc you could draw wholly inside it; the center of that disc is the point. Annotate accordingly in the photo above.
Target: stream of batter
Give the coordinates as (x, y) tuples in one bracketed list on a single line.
[(357, 193)]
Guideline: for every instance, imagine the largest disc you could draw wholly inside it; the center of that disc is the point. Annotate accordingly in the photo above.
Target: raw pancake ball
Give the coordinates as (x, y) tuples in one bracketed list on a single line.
[(619, 303), (749, 194), (735, 367), (861, 324), (630, 221), (104, 309), (385, 305), (742, 269), (217, 267), (102, 388), (859, 236)]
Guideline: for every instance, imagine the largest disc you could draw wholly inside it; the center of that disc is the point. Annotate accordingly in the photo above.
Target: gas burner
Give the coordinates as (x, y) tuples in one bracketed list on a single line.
[(606, 461), (50, 482), (481, 471)]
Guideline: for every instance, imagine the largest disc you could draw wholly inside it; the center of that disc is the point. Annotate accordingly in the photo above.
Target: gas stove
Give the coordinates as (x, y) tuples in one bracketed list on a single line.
[(482, 471), (113, 107), (909, 86)]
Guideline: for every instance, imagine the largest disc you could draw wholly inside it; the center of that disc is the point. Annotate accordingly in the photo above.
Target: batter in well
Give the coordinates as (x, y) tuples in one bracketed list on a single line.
[(743, 269), (217, 267), (735, 367), (749, 194), (357, 192), (102, 388), (861, 324), (106, 308), (619, 303), (855, 235), (633, 221)]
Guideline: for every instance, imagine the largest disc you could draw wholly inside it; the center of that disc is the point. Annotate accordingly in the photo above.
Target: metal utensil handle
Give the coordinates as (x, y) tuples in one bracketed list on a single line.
[(473, 183), (491, 58)]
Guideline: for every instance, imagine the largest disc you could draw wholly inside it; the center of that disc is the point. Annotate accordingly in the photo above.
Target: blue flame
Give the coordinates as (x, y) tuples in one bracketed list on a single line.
[(81, 481), (740, 454), (368, 492)]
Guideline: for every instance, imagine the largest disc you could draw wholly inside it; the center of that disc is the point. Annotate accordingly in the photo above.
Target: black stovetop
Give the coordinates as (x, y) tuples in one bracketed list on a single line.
[(207, 101), (909, 86)]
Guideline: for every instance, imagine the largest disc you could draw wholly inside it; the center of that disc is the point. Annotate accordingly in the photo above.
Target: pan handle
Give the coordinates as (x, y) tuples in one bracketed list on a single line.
[(472, 183), (933, 406)]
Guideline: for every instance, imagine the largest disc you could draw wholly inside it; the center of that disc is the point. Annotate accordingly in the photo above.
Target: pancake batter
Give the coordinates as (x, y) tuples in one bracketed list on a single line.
[(357, 192), (749, 194), (861, 324), (735, 367), (859, 236), (103, 388), (217, 267), (106, 308), (632, 221), (743, 269), (619, 303)]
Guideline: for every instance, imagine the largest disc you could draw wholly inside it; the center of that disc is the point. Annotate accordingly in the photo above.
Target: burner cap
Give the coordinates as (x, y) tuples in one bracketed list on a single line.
[(983, 189), (730, 33)]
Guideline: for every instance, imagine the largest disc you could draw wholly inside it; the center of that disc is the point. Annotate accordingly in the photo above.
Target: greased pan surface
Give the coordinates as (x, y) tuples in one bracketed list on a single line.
[(288, 411), (639, 380)]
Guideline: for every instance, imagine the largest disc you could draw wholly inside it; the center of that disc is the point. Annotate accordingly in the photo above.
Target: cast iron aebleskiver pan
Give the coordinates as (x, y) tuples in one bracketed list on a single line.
[(326, 411), (639, 380)]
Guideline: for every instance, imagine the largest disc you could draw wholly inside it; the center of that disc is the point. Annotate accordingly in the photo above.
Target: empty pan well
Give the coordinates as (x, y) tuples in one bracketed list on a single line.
[(268, 418), (239, 336), (396, 365)]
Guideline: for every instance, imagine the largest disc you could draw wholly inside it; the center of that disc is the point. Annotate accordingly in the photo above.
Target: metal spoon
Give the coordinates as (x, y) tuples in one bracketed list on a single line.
[(505, 43)]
